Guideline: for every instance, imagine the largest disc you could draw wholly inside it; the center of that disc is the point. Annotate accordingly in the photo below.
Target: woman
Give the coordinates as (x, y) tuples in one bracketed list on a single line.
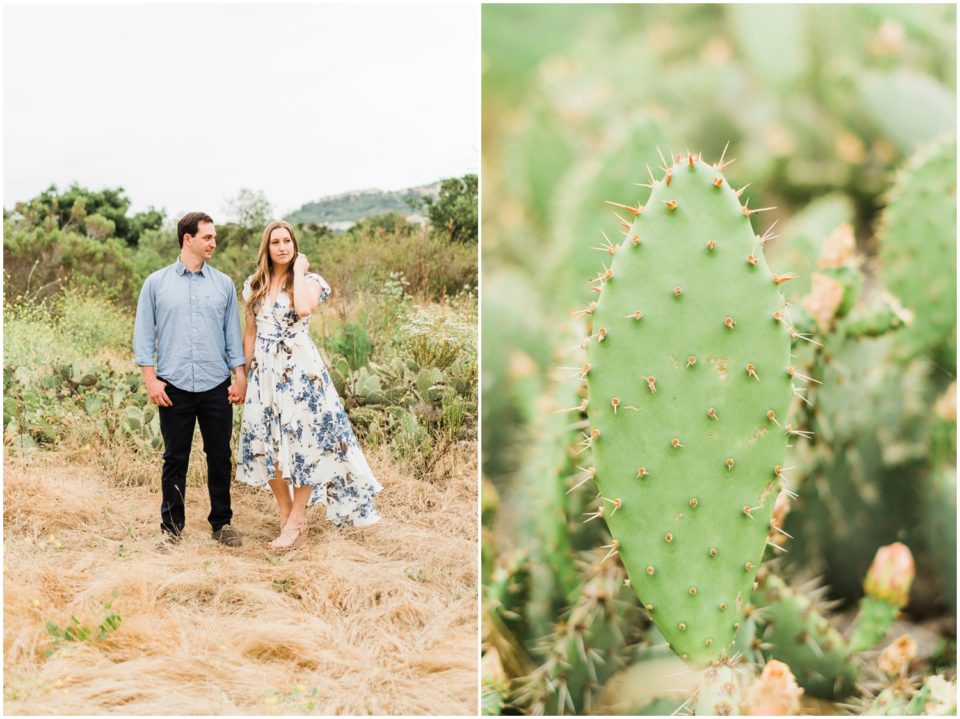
[(295, 434)]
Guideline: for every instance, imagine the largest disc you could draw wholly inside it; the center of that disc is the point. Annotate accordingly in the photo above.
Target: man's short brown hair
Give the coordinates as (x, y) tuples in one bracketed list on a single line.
[(190, 223)]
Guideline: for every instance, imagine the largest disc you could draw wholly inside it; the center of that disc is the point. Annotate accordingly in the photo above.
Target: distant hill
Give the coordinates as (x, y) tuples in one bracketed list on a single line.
[(341, 211)]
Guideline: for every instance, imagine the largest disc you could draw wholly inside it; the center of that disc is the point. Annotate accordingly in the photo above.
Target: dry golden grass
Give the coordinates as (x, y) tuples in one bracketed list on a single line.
[(374, 621)]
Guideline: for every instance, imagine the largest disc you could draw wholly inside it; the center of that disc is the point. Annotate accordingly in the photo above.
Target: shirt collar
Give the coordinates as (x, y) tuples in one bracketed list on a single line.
[(180, 268)]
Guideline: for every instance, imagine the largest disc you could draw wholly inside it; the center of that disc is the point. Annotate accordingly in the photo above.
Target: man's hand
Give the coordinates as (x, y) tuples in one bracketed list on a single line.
[(157, 391), (237, 392)]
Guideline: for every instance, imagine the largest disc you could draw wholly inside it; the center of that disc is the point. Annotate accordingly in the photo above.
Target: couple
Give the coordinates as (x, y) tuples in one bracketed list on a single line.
[(295, 436)]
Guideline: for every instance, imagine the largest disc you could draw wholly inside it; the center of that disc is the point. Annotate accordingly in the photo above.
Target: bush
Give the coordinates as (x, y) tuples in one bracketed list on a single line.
[(90, 324), (353, 343), (157, 248), (362, 259), (436, 337), (356, 262), (75, 324), (39, 261)]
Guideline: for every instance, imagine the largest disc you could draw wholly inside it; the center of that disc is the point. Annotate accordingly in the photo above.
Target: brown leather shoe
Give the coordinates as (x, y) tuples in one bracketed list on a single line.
[(227, 535)]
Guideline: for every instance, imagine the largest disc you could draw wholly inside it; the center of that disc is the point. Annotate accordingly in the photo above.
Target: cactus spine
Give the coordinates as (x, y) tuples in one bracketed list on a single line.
[(688, 387)]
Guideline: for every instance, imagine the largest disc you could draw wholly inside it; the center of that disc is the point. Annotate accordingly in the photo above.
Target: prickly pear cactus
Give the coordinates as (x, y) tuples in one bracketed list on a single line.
[(918, 248), (142, 424), (941, 529), (548, 503), (719, 693), (592, 643), (797, 634), (689, 379), (937, 697)]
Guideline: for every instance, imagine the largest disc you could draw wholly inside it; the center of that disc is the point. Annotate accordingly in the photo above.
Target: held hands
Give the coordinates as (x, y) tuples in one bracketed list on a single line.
[(237, 392), (301, 264), (157, 391)]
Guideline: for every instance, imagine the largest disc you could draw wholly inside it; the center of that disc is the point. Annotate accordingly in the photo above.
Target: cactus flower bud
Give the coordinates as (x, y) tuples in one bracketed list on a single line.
[(895, 659), (838, 249), (825, 298), (774, 693), (946, 406), (890, 39), (891, 574)]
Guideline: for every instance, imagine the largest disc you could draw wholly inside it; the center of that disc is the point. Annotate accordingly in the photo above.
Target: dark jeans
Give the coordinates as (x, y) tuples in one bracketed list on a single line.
[(215, 415)]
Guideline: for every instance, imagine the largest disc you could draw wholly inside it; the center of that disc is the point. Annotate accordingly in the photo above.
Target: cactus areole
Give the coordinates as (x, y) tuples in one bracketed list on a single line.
[(688, 405)]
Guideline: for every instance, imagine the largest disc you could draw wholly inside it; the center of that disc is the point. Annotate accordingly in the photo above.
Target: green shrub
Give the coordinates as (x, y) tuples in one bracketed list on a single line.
[(436, 336), (411, 441), (71, 325), (91, 324), (353, 343), (39, 261)]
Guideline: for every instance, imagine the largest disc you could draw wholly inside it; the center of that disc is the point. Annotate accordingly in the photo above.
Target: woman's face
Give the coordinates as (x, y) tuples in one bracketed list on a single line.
[(281, 247)]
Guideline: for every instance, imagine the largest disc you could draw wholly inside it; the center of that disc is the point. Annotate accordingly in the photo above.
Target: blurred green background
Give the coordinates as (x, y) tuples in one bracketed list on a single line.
[(822, 106)]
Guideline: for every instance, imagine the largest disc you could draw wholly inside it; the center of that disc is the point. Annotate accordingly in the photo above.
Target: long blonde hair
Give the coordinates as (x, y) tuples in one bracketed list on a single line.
[(260, 283)]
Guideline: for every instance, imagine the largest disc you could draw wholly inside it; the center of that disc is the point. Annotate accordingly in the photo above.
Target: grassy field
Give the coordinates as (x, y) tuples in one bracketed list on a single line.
[(380, 620), (374, 621)]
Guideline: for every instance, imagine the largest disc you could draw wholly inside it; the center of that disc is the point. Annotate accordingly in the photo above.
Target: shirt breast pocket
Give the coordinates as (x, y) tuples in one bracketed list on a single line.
[(213, 305)]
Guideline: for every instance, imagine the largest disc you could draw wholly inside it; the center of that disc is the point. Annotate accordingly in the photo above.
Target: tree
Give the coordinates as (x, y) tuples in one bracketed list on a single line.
[(250, 209), (454, 210), (69, 210), (150, 219), (390, 224), (99, 227)]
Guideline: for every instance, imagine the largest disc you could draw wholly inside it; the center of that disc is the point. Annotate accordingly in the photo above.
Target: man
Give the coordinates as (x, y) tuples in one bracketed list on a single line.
[(188, 310)]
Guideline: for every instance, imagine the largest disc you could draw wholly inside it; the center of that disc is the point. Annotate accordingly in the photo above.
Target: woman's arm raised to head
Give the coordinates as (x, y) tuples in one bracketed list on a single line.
[(306, 289)]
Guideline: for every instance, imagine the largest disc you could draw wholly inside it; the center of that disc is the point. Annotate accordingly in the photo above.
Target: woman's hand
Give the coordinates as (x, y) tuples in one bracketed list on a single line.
[(301, 264)]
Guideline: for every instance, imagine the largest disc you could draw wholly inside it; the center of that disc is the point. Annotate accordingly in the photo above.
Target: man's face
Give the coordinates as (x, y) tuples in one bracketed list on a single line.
[(204, 242)]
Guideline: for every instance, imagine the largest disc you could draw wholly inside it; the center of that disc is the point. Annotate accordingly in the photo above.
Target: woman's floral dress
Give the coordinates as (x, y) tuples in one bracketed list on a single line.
[(293, 419)]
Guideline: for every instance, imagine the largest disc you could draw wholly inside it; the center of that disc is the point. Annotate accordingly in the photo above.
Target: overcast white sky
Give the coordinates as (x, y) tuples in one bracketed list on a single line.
[(184, 105)]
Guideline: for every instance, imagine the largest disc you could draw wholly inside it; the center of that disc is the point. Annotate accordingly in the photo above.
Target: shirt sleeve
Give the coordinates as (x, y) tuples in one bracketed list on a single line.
[(324, 287), (231, 329), (246, 288), (145, 326)]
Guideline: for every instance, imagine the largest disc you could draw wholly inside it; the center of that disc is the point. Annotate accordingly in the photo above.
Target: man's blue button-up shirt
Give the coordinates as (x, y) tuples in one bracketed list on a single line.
[(190, 320)]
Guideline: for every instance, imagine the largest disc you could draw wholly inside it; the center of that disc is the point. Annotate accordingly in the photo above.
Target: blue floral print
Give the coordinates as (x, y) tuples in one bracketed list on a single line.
[(294, 421)]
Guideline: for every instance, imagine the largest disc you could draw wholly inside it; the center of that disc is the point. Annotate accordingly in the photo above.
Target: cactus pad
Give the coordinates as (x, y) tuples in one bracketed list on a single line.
[(797, 634), (689, 386), (918, 247)]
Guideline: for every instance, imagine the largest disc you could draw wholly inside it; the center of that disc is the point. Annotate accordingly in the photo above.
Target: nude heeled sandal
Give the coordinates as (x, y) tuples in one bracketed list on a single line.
[(291, 537)]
